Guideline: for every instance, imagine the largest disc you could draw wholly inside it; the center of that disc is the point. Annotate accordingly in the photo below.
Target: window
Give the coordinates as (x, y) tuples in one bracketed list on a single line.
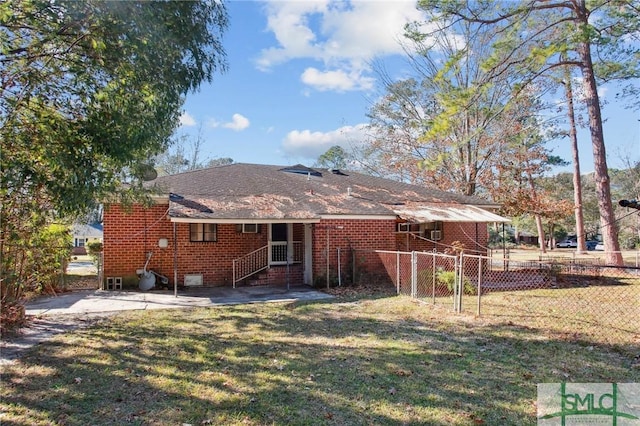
[(203, 232), (433, 226), (80, 242), (409, 227), (433, 230), (248, 228)]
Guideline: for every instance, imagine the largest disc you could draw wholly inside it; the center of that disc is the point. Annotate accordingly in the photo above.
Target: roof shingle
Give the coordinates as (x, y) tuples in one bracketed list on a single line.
[(252, 191)]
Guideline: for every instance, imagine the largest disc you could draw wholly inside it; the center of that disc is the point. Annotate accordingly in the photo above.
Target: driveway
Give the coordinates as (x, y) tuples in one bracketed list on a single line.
[(56, 314)]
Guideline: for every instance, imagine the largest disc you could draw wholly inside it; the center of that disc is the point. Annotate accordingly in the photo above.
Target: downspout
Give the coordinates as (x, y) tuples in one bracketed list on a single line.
[(327, 228), (175, 261)]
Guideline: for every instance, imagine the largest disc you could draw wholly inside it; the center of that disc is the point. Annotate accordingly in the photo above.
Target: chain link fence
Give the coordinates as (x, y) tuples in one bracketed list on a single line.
[(580, 300)]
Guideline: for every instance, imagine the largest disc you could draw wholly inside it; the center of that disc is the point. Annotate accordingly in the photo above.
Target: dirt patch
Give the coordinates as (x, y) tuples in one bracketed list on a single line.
[(81, 282), (39, 329), (362, 290)]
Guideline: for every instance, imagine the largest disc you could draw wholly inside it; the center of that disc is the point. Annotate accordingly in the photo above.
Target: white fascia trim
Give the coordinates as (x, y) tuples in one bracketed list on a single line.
[(357, 217), (236, 221)]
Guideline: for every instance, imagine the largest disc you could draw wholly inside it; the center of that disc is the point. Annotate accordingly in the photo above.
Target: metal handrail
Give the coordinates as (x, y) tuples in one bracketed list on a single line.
[(259, 260), (250, 263)]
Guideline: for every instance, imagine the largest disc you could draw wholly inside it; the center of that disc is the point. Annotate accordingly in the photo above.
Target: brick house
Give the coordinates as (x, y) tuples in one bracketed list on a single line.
[(251, 224)]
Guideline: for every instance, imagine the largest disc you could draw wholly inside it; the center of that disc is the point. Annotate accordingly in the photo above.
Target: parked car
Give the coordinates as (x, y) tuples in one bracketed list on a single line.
[(599, 247), (591, 245), (568, 243)]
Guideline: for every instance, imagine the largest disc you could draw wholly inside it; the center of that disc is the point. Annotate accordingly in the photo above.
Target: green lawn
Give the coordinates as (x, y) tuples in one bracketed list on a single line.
[(348, 361)]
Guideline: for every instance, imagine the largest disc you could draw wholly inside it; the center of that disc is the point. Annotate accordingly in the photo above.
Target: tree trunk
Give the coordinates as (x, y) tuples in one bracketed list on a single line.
[(541, 240), (608, 226), (577, 183)]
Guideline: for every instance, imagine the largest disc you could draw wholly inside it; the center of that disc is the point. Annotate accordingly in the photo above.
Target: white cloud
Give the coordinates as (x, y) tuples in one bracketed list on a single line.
[(308, 144), (344, 37), (187, 120), (337, 80), (602, 92), (579, 90), (238, 122)]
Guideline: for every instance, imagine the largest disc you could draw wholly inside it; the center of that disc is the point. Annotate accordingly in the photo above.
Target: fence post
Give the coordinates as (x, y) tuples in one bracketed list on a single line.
[(460, 280), (455, 284), (100, 262), (414, 274), (353, 265), (339, 271), (433, 275), (479, 290), (397, 272)]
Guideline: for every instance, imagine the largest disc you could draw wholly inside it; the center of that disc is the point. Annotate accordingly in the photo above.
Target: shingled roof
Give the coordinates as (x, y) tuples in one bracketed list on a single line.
[(263, 193)]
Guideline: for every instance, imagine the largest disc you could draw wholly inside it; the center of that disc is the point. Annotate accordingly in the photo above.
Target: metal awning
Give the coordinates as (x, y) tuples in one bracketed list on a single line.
[(448, 213)]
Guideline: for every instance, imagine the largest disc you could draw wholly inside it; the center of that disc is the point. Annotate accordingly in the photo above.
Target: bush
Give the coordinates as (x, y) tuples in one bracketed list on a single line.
[(94, 249), (12, 317), (33, 261), (444, 279), (449, 278)]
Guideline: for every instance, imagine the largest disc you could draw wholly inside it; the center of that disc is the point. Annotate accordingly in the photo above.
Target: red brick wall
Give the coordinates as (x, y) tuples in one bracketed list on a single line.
[(129, 236), (474, 239), (347, 234), (214, 260), (279, 275)]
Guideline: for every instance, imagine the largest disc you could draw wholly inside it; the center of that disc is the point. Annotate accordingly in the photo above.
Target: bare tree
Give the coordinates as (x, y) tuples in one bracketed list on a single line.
[(446, 126), (533, 35)]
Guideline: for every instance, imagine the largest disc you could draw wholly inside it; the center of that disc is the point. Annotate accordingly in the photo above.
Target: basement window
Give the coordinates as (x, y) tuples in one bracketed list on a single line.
[(200, 232)]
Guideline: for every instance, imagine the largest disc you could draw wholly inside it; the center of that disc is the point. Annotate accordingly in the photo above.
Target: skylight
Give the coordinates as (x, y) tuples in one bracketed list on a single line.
[(301, 170)]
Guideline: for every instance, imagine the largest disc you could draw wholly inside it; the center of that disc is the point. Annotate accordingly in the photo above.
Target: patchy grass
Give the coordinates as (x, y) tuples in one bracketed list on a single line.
[(601, 315), (595, 314), (355, 361), (630, 257)]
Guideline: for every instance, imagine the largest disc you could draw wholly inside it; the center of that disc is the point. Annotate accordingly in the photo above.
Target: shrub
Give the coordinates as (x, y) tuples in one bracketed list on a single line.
[(33, 260), (94, 249), (449, 278), (444, 279)]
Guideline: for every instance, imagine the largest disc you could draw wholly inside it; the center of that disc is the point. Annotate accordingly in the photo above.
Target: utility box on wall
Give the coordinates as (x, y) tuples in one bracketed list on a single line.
[(193, 280)]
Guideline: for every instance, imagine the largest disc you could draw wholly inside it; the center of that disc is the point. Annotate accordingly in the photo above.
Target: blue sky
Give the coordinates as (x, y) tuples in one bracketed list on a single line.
[(300, 81)]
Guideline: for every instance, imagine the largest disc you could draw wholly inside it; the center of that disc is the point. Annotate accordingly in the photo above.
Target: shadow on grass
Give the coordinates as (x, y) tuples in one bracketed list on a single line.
[(384, 360)]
